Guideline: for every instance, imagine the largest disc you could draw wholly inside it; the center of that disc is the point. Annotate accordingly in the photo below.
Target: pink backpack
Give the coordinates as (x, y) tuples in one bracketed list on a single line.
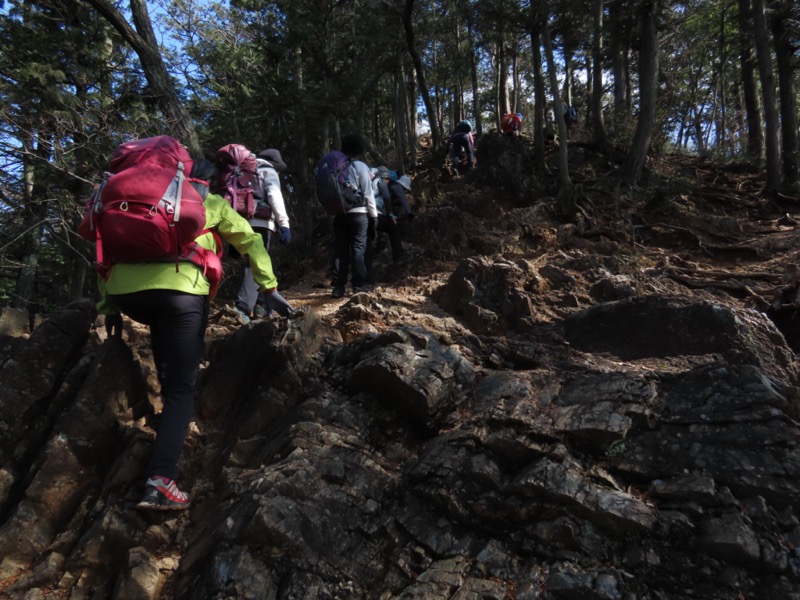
[(236, 172), (145, 210)]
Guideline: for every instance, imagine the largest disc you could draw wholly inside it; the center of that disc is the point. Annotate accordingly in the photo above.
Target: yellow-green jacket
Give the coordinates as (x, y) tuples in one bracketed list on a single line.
[(127, 278)]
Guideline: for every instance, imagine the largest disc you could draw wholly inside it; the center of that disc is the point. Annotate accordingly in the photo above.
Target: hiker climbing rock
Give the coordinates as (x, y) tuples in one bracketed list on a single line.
[(462, 141), (170, 295), (270, 217)]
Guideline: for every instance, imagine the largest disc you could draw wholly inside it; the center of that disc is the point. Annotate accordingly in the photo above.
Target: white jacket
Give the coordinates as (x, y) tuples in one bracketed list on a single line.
[(267, 188), (363, 177)]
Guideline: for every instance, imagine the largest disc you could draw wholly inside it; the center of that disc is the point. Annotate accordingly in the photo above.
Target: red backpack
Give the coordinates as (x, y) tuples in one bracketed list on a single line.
[(236, 172), (511, 123), (145, 210)]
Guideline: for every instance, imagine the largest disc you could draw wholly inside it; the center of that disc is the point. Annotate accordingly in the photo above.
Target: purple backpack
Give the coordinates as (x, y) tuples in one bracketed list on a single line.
[(337, 190)]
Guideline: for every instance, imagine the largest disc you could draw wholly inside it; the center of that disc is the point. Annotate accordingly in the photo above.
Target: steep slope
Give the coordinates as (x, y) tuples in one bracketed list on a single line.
[(525, 409)]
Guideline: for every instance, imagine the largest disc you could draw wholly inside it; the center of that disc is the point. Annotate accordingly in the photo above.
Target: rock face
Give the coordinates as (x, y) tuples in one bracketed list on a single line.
[(643, 447), (531, 410)]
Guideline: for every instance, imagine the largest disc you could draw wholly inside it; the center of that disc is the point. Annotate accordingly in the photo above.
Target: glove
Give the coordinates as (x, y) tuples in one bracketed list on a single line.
[(278, 303), (286, 235), (113, 325)]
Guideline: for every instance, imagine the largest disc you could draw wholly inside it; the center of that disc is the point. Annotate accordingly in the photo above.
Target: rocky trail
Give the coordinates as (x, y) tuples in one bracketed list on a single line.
[(605, 408)]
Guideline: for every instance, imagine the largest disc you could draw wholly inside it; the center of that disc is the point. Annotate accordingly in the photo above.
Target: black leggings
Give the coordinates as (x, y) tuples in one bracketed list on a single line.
[(177, 324)]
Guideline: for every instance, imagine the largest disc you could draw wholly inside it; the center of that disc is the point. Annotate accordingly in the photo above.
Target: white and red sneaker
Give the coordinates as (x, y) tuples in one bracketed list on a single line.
[(161, 493)]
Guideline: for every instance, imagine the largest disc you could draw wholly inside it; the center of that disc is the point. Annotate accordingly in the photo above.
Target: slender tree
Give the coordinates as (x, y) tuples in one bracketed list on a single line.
[(408, 26), (598, 124), (755, 138), (565, 203), (631, 169), (786, 61), (771, 123)]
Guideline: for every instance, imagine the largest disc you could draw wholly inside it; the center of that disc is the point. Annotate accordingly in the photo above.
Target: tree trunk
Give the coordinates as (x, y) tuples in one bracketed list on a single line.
[(400, 118), (143, 42), (503, 106), (567, 93), (473, 66), (539, 104), (771, 122), (408, 25), (631, 170), (755, 138), (788, 98), (618, 63), (299, 165), (411, 116), (517, 89), (565, 204), (25, 290), (721, 125), (598, 125)]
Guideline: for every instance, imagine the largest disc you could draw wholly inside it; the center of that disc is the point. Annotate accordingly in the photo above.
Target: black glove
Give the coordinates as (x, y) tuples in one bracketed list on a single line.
[(278, 303), (286, 235), (113, 325), (372, 229)]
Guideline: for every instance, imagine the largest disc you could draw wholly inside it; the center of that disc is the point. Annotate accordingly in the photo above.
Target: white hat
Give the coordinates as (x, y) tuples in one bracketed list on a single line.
[(405, 182)]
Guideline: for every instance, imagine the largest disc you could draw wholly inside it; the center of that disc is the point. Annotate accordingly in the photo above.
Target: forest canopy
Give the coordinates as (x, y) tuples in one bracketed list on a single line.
[(715, 78)]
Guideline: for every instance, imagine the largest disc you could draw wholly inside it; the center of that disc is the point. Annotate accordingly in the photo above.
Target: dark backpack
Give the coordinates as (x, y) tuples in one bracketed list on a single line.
[(236, 171), (145, 210), (336, 189), (571, 115)]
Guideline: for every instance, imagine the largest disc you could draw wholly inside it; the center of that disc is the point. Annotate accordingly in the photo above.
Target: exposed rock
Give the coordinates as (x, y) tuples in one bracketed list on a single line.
[(564, 421), (413, 372), (489, 295), (14, 322)]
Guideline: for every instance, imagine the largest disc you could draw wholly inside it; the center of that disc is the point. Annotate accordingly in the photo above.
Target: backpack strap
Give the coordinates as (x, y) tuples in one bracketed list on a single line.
[(103, 267), (96, 202), (177, 186)]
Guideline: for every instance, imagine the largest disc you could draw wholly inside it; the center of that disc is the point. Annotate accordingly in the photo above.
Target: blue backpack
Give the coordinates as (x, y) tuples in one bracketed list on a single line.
[(337, 189)]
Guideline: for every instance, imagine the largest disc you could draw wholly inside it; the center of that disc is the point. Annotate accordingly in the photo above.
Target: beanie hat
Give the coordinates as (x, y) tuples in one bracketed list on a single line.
[(274, 157)]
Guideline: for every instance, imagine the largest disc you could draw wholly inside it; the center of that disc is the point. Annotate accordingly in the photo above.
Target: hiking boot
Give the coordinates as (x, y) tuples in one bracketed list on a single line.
[(338, 292), (259, 312), (363, 288), (244, 318), (161, 493)]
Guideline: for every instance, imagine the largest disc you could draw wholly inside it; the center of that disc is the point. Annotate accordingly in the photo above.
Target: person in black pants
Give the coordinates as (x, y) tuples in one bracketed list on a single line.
[(177, 322), (174, 304), (392, 203), (352, 230)]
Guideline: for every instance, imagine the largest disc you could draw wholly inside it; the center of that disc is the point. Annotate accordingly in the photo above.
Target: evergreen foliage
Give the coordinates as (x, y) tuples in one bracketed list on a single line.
[(299, 74)]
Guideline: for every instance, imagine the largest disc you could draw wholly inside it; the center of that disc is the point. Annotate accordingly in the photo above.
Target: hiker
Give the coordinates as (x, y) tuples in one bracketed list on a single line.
[(390, 201), (174, 304), (352, 227), (269, 217), (461, 140), (511, 124), (570, 116)]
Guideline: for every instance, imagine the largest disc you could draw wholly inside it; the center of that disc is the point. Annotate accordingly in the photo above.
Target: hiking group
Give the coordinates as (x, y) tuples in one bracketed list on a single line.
[(159, 220), (364, 202), (158, 233)]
